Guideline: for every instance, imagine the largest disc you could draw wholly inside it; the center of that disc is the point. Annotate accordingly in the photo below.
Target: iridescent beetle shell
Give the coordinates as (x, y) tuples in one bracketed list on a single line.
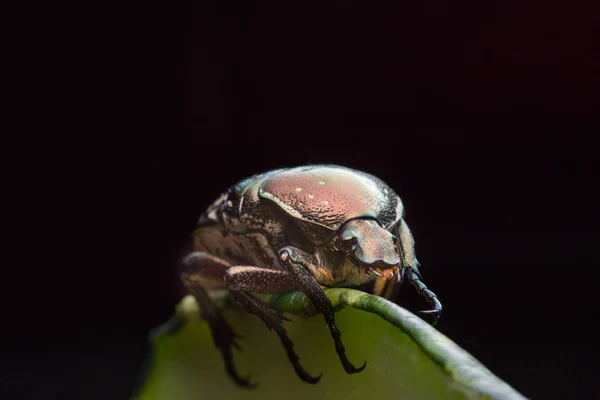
[(307, 207), (329, 196)]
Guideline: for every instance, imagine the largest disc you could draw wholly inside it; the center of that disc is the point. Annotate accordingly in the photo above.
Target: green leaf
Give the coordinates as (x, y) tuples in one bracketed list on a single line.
[(406, 357)]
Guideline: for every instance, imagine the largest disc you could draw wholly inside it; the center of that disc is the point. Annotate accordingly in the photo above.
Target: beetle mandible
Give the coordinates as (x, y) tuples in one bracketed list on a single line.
[(302, 228)]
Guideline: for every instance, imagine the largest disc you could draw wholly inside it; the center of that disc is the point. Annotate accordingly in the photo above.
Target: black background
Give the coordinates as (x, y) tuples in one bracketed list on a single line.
[(481, 115)]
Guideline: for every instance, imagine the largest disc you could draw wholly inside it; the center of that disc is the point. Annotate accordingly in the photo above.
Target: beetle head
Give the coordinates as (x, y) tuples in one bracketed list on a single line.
[(369, 246)]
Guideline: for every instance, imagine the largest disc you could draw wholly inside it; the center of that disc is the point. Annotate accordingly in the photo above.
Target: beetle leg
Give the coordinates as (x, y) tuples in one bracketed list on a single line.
[(410, 270), (223, 335), (204, 266), (272, 319), (420, 287), (256, 279), (296, 263), (243, 279)]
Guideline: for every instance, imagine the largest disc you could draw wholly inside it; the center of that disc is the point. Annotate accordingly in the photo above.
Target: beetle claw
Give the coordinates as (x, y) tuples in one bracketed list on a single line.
[(351, 369), (436, 315), (232, 372)]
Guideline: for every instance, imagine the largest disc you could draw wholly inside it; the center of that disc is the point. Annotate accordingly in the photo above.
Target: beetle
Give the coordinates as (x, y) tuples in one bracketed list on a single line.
[(304, 228)]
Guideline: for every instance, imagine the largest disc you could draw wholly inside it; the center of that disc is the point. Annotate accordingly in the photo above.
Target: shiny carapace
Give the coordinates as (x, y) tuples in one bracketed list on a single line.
[(304, 228)]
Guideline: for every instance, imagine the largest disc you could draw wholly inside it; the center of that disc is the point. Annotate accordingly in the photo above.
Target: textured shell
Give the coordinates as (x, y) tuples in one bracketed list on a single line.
[(330, 195)]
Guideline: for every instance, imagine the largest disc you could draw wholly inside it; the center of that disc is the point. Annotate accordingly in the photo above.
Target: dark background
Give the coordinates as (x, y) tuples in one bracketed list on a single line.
[(481, 115)]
